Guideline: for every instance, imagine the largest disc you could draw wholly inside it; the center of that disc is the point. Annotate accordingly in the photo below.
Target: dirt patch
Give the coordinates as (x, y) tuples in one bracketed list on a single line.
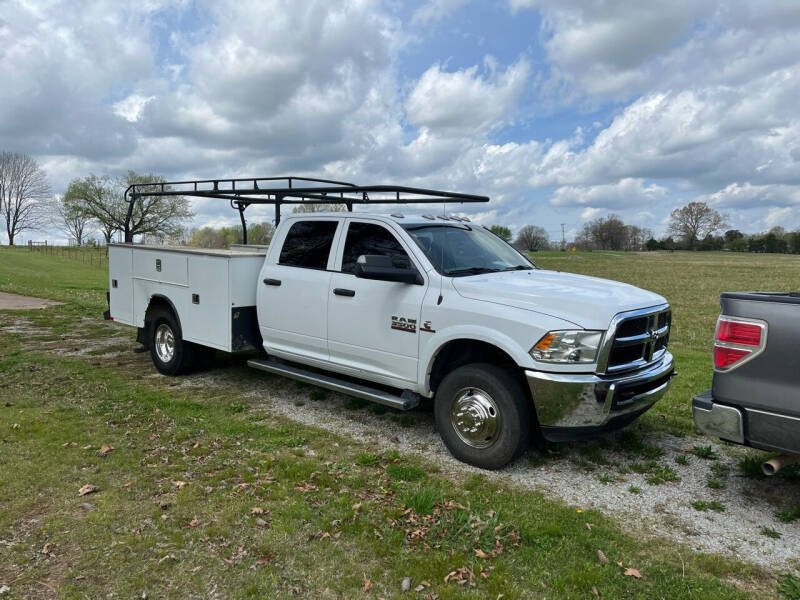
[(17, 302)]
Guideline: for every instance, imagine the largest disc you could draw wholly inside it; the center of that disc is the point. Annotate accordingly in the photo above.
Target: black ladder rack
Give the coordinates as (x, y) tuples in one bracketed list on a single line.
[(241, 193)]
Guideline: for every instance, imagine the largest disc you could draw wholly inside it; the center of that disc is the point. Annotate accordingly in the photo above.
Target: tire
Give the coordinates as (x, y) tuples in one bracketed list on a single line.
[(170, 354), (483, 415)]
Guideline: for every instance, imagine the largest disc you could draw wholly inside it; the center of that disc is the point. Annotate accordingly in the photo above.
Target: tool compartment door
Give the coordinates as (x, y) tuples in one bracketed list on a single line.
[(207, 317)]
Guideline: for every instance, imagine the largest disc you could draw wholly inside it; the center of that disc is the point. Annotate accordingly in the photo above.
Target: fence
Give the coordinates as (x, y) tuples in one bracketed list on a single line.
[(95, 256)]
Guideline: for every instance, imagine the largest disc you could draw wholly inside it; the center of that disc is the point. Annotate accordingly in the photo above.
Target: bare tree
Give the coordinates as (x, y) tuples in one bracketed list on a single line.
[(694, 222), (532, 238), (24, 193)]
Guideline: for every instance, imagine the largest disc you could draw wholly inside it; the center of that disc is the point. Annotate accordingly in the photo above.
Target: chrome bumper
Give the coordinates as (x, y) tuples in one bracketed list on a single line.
[(717, 420), (589, 403)]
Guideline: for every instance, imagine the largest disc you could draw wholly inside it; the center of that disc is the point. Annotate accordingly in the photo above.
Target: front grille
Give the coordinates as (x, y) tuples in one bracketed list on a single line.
[(639, 340)]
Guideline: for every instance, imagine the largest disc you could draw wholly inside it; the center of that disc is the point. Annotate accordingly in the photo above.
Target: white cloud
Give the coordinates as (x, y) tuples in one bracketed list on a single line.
[(704, 101), (627, 193), (131, 107), (465, 102), (778, 217), (435, 10)]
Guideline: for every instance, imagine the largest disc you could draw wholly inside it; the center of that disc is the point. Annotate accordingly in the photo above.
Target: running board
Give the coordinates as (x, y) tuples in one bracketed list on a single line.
[(405, 401)]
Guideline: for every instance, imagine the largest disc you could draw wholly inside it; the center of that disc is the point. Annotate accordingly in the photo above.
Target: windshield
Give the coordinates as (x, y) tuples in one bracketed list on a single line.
[(460, 250)]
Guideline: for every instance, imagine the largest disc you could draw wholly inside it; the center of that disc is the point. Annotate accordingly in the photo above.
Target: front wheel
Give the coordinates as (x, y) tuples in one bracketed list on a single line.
[(170, 354), (483, 415)]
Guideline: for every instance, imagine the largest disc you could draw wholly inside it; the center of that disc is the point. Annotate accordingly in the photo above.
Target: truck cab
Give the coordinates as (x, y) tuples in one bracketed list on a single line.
[(403, 309)]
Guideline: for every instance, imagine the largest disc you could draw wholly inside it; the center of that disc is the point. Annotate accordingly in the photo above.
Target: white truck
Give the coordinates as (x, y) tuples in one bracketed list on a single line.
[(400, 310)]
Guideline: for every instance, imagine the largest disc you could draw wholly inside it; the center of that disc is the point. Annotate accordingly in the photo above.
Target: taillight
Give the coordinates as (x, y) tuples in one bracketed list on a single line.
[(737, 340), (736, 332)]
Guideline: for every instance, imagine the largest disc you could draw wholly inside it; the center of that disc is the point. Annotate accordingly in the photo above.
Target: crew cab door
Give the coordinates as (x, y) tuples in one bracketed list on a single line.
[(293, 288), (373, 326)]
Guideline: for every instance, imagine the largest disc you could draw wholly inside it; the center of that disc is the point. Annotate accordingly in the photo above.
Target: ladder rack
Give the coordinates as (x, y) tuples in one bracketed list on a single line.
[(241, 193)]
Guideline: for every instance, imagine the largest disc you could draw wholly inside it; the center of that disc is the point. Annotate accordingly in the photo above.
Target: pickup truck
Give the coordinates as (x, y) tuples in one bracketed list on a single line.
[(755, 395), (403, 309)]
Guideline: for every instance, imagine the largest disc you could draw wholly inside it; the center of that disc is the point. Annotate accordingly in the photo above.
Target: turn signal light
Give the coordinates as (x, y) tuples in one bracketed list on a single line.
[(737, 340)]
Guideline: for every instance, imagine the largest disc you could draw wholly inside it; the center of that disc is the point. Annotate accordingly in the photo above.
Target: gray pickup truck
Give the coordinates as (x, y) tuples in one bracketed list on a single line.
[(755, 394)]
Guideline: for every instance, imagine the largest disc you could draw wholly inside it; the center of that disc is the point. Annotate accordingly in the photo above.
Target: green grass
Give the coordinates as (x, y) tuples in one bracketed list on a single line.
[(206, 490), (656, 473), (705, 452), (789, 587), (789, 515), (703, 506)]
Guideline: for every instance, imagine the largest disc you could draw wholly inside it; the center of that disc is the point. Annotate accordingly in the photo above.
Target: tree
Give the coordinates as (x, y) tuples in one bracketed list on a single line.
[(694, 222), (315, 208), (223, 237), (501, 231), (159, 216), (609, 233), (104, 199), (24, 192), (70, 212), (260, 233), (97, 199), (532, 238)]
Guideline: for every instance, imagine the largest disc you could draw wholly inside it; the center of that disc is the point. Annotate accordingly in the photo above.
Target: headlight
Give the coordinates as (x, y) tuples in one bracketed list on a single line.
[(568, 347)]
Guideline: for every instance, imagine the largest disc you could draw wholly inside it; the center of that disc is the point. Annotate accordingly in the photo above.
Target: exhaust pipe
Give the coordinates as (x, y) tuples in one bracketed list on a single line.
[(773, 465)]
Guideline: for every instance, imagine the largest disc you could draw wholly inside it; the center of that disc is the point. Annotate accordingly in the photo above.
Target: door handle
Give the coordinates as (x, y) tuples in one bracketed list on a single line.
[(344, 292), (269, 281)]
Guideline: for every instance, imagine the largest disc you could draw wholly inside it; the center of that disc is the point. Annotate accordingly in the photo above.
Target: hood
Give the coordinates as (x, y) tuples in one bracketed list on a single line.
[(589, 302)]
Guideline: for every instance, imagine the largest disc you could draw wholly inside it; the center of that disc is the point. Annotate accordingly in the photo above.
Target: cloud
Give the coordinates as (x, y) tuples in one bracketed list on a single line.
[(435, 10), (612, 106), (466, 101), (737, 195), (626, 193), (131, 108)]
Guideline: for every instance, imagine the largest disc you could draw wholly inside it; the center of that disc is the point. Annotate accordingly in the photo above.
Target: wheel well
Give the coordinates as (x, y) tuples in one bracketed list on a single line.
[(156, 303), (458, 353)]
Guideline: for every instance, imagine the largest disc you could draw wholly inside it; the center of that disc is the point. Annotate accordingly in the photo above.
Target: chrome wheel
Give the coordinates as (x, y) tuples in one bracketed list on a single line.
[(475, 417), (165, 343)]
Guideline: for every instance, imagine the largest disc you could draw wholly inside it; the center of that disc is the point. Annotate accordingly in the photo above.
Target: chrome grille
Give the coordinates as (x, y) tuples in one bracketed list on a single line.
[(635, 339)]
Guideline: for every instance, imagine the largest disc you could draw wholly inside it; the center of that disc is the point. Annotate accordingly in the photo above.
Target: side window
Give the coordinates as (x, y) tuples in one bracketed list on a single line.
[(308, 244), (368, 238)]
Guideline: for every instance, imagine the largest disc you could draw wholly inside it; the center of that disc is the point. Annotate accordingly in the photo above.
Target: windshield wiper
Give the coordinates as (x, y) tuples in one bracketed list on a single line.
[(518, 268), (471, 271)]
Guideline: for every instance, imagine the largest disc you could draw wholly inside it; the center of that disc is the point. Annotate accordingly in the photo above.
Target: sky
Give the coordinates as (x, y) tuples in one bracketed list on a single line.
[(561, 110)]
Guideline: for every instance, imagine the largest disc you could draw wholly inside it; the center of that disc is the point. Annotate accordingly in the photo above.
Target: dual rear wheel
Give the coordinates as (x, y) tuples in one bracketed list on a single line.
[(170, 353)]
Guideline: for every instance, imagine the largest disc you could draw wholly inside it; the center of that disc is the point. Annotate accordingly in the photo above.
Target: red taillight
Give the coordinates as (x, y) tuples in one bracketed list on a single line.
[(735, 332), (736, 340), (725, 357)]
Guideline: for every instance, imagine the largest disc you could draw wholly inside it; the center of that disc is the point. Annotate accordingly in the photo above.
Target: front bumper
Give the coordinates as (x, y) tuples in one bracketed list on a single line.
[(572, 406)]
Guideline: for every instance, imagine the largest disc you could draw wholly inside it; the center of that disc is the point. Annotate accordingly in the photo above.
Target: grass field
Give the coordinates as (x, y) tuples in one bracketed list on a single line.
[(206, 495)]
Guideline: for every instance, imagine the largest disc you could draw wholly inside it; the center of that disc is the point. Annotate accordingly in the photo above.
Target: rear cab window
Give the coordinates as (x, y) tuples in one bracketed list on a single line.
[(308, 244)]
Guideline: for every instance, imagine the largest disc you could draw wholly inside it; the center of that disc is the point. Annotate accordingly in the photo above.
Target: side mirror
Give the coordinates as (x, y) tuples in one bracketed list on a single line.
[(381, 268)]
